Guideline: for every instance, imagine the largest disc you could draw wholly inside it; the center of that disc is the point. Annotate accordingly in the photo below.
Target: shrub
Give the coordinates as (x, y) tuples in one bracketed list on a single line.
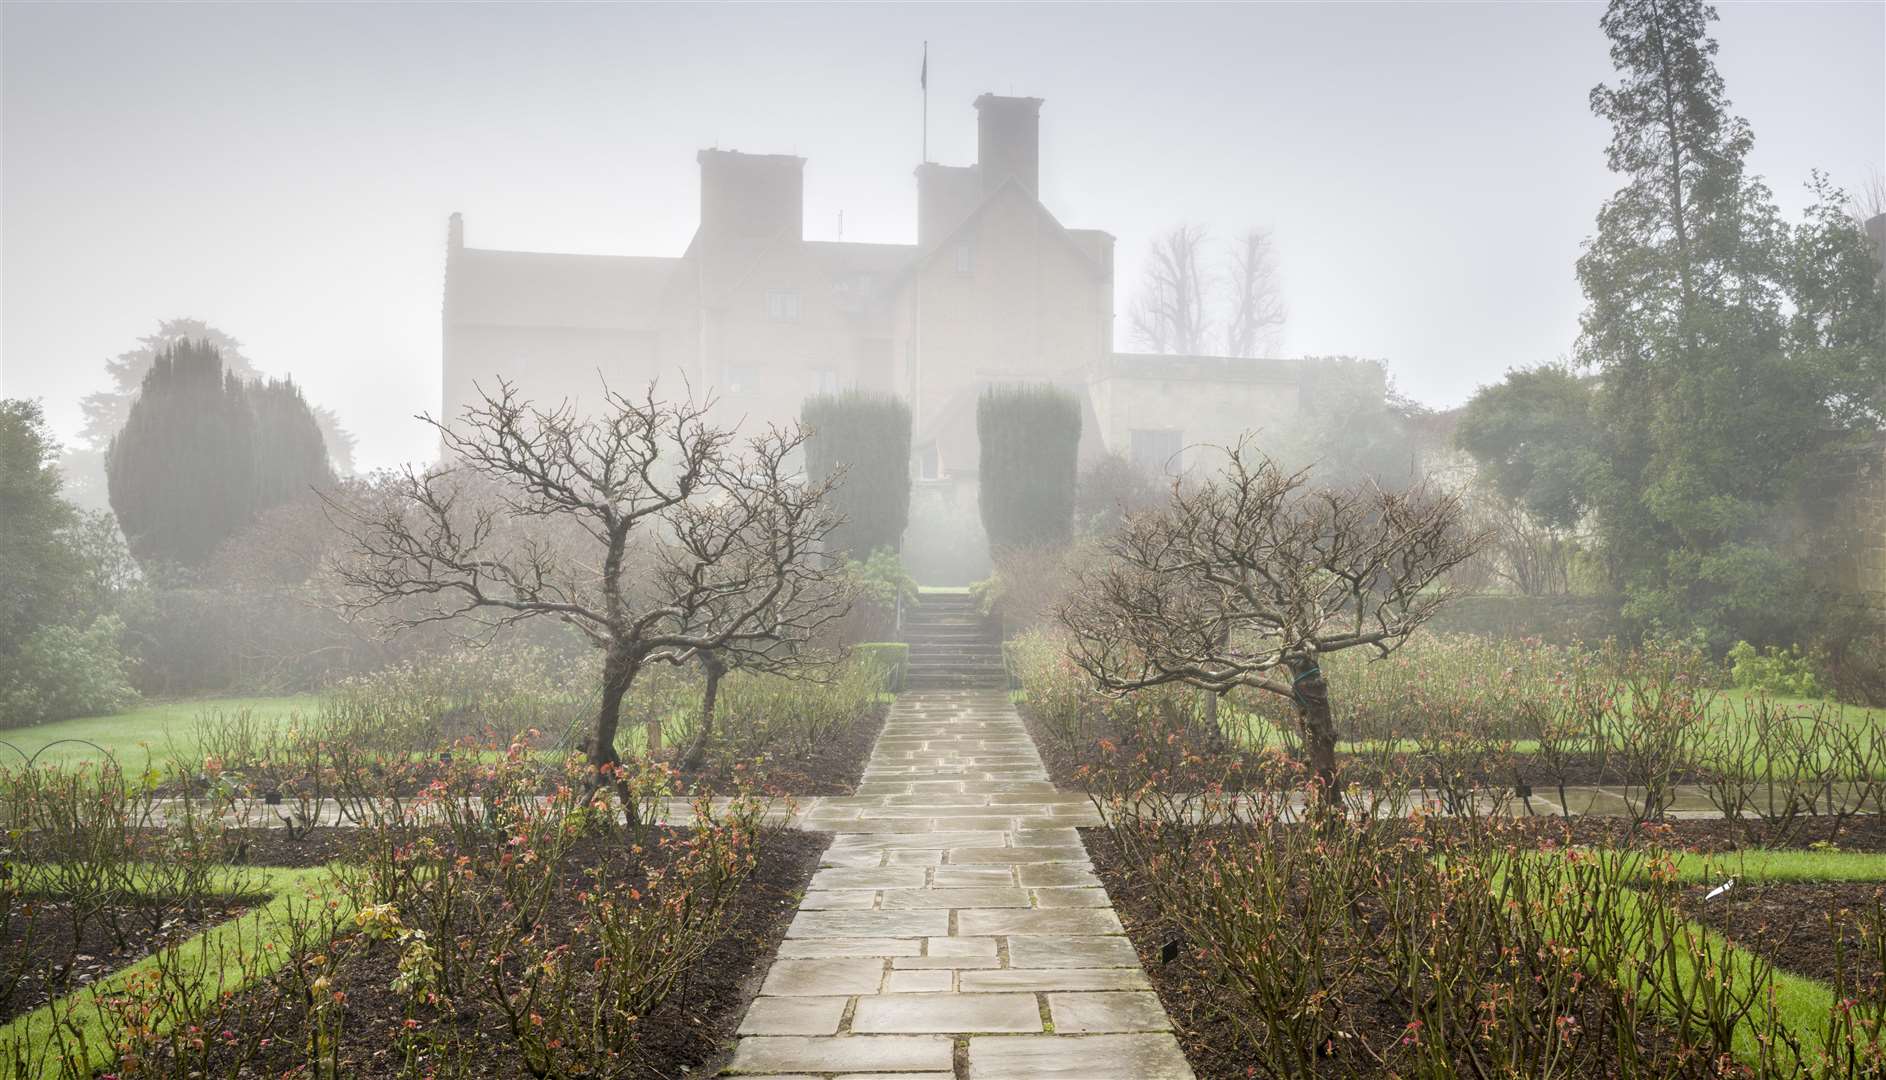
[(1775, 670), (879, 583), (892, 658), (1030, 441), (868, 437), (64, 671)]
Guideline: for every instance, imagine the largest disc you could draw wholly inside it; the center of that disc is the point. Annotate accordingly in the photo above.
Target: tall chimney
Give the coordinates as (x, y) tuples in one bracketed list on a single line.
[(1008, 141), (751, 196)]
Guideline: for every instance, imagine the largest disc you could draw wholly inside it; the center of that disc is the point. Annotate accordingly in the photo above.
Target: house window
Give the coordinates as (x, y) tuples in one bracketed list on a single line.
[(966, 255), (825, 381), (1158, 451), (782, 305), (737, 379)]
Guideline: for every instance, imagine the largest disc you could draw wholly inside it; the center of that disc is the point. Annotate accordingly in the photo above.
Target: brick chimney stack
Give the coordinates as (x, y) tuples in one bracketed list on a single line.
[(751, 196), (1008, 141)]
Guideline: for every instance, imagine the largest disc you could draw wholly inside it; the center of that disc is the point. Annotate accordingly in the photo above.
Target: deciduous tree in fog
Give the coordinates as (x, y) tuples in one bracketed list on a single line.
[(202, 452), (1174, 309), (1256, 314), (1251, 578), (648, 529), (1170, 314), (1535, 441)]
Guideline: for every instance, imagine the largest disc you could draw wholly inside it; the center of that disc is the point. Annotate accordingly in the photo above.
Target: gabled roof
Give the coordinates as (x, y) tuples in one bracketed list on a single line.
[(1011, 186), (527, 288)]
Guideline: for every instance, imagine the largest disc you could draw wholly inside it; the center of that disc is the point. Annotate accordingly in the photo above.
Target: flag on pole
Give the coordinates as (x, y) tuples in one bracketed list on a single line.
[(923, 77)]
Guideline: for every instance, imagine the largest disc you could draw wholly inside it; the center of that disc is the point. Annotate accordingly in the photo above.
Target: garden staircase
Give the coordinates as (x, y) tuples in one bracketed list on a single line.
[(952, 644)]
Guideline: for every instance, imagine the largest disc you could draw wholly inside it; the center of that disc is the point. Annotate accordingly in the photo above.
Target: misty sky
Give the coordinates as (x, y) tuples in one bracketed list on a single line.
[(285, 172)]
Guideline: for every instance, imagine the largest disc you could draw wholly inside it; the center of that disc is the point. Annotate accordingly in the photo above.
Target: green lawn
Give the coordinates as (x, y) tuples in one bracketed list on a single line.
[(1260, 731), (157, 725)]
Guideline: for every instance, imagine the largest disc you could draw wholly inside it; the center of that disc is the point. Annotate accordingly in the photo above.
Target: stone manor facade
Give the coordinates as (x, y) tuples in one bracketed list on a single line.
[(996, 289)]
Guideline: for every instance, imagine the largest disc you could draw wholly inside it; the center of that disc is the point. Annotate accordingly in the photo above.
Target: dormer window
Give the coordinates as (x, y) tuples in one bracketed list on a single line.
[(782, 305)]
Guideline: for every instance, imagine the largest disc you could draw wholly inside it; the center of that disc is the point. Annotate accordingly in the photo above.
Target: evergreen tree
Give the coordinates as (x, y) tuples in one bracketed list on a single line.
[(1030, 442), (1702, 414), (202, 452), (39, 570), (867, 436)]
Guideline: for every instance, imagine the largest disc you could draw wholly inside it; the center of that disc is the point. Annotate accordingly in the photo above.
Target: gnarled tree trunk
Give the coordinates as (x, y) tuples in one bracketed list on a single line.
[(1318, 723), (715, 668), (618, 673)]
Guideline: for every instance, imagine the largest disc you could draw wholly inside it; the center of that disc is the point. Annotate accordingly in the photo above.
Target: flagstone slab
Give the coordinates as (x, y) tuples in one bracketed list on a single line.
[(872, 878), (1058, 921), (848, 924), (1028, 951), (833, 948), (916, 1014), (963, 877), (1077, 1057), (922, 981), (1072, 898), (969, 855), (1038, 875), (827, 977), (1091, 1013), (1041, 980), (984, 897), (845, 900), (843, 1053), (794, 1016)]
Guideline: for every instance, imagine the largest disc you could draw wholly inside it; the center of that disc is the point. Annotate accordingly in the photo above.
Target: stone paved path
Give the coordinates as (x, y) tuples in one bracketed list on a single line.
[(955, 930)]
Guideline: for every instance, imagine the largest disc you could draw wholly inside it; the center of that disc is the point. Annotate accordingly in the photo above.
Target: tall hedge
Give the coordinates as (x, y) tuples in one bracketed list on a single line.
[(1030, 438), (202, 452), (868, 436)]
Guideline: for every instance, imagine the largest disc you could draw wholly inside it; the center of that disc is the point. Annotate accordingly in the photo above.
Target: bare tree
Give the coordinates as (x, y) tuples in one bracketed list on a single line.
[(1170, 313), (646, 528), (1257, 308), (1248, 580)]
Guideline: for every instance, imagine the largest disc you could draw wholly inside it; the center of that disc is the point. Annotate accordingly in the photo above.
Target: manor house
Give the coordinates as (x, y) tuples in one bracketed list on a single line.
[(996, 289)]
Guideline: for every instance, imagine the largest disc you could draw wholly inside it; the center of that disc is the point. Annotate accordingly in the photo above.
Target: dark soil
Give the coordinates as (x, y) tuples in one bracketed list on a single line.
[(834, 767), (40, 961), (1202, 1010), (687, 1035), (1800, 926)]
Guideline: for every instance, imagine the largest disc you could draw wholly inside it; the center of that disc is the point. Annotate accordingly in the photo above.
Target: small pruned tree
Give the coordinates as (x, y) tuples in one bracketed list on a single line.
[(865, 438), (1030, 445), (1250, 578), (645, 527)]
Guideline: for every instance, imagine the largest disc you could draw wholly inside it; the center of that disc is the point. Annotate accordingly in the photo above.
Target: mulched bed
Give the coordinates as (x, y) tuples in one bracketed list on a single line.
[(688, 1035), (37, 947), (834, 767), (1788, 924), (1217, 1046)]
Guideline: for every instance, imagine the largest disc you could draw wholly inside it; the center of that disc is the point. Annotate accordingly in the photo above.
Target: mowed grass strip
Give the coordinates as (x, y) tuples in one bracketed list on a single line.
[(160, 728), (222, 959)]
